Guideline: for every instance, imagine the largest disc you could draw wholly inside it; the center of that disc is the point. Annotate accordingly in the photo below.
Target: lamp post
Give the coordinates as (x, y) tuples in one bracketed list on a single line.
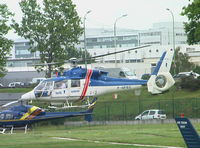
[(85, 38), (115, 44), (173, 37)]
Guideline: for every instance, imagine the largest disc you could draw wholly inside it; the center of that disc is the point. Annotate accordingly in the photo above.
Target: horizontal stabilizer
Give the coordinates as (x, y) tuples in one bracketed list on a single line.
[(188, 132)]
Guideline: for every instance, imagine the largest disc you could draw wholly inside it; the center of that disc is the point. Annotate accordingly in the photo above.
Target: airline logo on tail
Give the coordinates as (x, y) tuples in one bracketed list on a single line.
[(188, 132)]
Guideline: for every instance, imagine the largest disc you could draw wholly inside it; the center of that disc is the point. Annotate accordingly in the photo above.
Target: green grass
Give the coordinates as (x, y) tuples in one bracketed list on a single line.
[(127, 105), (41, 137), (15, 90)]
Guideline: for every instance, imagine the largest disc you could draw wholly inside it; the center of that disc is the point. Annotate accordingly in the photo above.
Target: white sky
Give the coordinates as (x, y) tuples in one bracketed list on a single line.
[(141, 14)]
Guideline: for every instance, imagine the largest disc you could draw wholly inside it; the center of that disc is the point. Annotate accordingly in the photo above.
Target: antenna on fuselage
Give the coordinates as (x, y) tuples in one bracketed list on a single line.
[(73, 62)]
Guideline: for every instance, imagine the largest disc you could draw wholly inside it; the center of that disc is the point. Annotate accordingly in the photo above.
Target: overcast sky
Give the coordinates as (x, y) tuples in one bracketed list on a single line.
[(141, 14)]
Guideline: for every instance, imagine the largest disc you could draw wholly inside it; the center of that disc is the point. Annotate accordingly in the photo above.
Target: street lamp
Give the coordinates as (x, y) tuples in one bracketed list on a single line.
[(173, 37), (173, 27), (85, 38), (115, 44)]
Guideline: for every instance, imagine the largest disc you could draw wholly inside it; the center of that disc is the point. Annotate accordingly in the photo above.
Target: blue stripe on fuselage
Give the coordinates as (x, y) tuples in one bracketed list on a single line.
[(109, 81)]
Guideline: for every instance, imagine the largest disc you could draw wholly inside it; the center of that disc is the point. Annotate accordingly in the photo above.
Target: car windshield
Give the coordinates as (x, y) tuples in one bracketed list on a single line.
[(129, 73)]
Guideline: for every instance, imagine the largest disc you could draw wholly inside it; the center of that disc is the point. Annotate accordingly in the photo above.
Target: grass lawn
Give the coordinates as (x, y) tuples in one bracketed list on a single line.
[(41, 137), (15, 90)]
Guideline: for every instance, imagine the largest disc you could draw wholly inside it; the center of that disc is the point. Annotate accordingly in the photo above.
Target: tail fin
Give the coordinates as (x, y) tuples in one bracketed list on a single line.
[(161, 80), (188, 132), (88, 116)]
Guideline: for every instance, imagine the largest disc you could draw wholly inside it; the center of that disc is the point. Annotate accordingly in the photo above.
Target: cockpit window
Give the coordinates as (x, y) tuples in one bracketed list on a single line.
[(45, 86), (1, 116), (41, 86), (8, 116), (61, 84), (75, 83), (49, 85)]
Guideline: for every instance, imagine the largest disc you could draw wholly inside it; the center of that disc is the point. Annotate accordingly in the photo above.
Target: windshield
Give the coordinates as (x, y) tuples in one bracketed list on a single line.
[(40, 86), (45, 85), (129, 73), (44, 89)]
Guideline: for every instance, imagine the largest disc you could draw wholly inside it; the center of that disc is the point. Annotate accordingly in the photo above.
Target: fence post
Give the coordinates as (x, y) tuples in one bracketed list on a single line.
[(173, 107)]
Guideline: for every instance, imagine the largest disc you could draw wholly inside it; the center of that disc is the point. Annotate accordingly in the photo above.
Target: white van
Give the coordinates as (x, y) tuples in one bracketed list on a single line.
[(151, 114), (37, 80)]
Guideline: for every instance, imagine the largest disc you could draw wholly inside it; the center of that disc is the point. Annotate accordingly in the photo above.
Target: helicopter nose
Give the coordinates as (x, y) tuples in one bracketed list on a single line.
[(28, 96)]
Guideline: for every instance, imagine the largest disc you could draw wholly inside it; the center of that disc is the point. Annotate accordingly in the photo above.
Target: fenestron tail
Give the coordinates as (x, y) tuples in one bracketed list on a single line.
[(188, 132), (161, 80)]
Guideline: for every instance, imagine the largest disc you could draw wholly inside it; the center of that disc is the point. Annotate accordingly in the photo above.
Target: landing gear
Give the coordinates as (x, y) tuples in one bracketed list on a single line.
[(12, 128), (68, 105)]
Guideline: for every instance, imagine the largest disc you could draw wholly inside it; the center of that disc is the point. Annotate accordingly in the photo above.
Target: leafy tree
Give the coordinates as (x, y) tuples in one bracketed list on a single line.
[(52, 29), (181, 62), (192, 28), (5, 44), (197, 69)]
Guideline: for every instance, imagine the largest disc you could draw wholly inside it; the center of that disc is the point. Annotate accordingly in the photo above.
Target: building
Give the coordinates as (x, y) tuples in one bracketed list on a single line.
[(101, 41), (21, 56)]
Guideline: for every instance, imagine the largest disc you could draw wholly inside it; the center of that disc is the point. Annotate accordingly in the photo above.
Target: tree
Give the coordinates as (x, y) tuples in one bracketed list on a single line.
[(192, 28), (181, 62), (5, 44), (52, 29)]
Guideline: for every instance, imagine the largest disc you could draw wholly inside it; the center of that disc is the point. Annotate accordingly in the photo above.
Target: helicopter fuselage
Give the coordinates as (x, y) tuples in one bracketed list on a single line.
[(78, 83)]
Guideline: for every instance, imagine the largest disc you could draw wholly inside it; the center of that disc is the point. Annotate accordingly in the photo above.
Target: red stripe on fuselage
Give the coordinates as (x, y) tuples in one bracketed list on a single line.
[(87, 82)]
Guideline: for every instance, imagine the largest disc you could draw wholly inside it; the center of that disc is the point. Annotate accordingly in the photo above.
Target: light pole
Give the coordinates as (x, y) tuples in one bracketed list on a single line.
[(85, 38), (173, 37), (115, 44)]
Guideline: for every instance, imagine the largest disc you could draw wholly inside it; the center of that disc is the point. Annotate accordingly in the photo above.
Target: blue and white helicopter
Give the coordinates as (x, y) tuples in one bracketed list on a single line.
[(80, 83)]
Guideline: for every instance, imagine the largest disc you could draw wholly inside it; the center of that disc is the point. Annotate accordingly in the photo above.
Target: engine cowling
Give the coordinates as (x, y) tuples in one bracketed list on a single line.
[(160, 82)]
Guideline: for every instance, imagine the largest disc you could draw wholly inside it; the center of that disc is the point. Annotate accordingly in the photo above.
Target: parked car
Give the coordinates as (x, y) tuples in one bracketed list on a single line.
[(15, 84), (146, 76), (151, 114), (37, 80), (186, 74)]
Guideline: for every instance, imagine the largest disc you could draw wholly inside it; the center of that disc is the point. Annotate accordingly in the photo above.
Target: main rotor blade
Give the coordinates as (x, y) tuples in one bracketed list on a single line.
[(103, 55), (10, 103)]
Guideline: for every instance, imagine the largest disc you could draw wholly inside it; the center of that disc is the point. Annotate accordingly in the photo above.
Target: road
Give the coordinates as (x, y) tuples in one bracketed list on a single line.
[(9, 97)]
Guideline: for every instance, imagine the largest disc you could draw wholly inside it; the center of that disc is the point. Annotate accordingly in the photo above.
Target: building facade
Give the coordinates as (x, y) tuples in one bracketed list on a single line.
[(101, 41)]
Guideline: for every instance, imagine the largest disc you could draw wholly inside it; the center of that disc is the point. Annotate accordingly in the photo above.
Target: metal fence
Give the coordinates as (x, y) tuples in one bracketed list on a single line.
[(108, 111)]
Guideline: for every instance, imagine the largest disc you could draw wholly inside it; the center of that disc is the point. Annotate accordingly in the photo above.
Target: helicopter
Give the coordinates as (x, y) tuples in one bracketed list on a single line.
[(80, 83), (24, 115)]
